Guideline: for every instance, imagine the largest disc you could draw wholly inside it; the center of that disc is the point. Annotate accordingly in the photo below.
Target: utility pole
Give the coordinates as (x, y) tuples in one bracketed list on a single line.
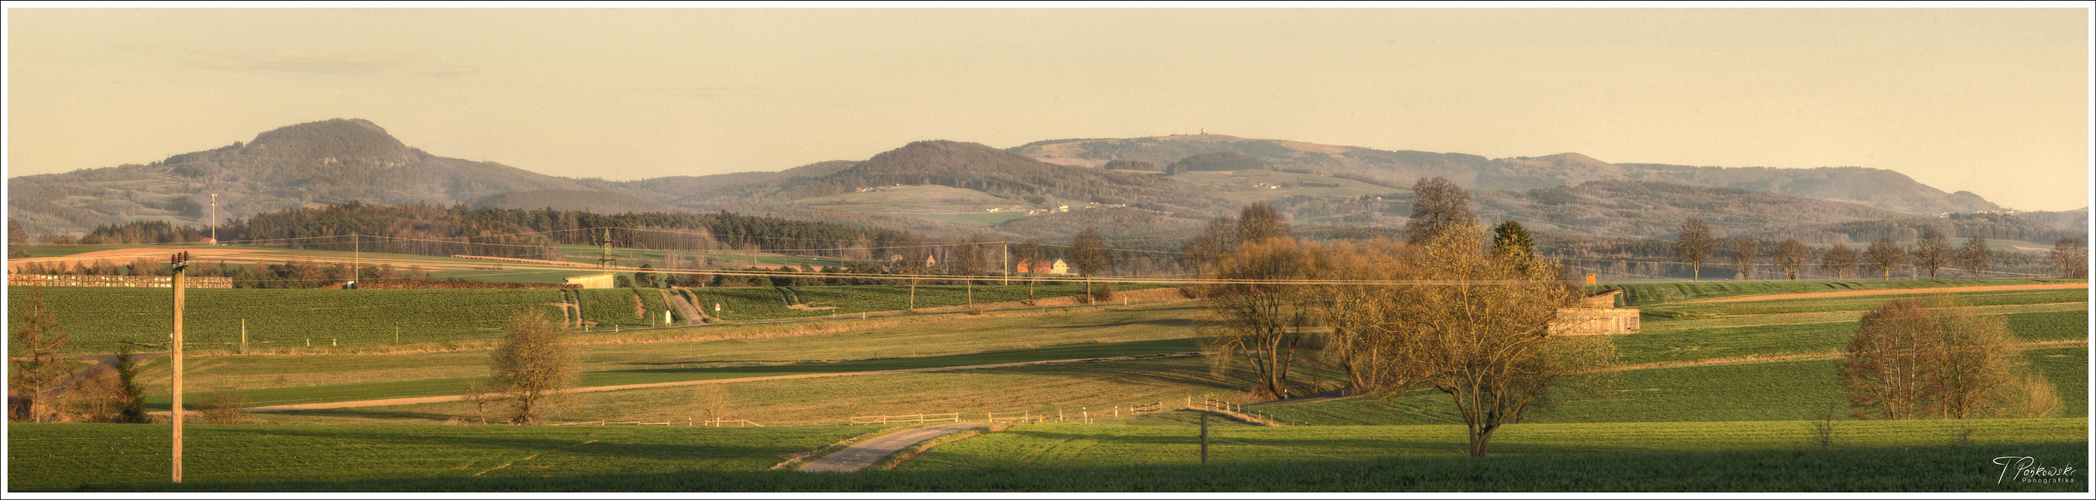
[(1004, 261), (214, 218), (604, 254), (1204, 438), (180, 263), (355, 253)]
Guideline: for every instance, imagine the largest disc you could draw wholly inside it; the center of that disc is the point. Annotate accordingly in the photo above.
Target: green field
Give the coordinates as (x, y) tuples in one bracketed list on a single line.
[(1721, 456), (1736, 424), (1652, 293), (70, 456), (102, 318)]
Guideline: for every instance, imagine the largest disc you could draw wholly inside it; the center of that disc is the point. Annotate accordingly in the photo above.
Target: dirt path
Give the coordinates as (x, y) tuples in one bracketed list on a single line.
[(859, 456), (1808, 356), (445, 399), (1890, 291)]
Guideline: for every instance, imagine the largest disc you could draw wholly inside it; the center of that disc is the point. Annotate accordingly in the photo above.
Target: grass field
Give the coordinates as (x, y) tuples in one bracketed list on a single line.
[(64, 457), (764, 303), (1791, 390), (102, 318), (1721, 456), (1652, 293), (1734, 426)]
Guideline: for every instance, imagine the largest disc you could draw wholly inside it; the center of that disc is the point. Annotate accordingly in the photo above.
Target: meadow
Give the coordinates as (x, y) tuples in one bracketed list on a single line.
[(1714, 396), (1651, 293), (100, 319), (1722, 456)]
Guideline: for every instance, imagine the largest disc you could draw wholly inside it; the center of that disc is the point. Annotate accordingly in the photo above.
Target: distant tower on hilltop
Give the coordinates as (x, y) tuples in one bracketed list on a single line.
[(1204, 130)]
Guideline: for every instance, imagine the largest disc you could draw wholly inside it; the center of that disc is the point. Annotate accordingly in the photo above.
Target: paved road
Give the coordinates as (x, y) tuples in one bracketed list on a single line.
[(864, 454)]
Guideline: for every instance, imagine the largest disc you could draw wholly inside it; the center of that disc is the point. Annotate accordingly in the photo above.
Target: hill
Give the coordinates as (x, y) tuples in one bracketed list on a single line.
[(586, 200), (316, 163), (1876, 188)]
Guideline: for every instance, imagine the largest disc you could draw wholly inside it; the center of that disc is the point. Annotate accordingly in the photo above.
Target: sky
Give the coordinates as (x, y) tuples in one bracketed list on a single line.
[(1989, 101)]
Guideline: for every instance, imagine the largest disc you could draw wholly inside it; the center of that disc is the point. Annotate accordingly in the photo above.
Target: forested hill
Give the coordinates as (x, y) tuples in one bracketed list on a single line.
[(309, 164), (1000, 173), (1876, 188)]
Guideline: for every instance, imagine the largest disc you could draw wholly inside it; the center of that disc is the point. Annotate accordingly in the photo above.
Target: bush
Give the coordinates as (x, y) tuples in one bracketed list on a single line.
[(1102, 292), (221, 408)]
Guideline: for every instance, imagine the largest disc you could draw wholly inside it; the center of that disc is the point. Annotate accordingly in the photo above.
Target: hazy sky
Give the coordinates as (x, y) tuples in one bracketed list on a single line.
[(1991, 101)]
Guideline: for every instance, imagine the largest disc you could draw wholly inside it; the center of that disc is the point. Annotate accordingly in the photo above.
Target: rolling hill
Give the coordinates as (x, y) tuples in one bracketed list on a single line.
[(1876, 188), (1157, 186)]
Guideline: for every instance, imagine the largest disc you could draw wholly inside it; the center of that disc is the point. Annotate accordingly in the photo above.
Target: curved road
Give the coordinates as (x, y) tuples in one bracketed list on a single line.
[(864, 454)]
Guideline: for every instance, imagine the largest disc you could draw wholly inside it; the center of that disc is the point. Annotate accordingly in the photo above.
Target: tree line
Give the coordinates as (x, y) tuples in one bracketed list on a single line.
[(1447, 309), (1931, 254)]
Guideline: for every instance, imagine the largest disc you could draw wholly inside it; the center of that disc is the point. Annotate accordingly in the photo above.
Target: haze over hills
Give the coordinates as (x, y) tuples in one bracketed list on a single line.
[(1160, 186), (1877, 188)]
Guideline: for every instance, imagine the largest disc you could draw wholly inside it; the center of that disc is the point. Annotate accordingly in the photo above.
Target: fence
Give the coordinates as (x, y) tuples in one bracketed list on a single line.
[(714, 422), (905, 419), (1212, 405)]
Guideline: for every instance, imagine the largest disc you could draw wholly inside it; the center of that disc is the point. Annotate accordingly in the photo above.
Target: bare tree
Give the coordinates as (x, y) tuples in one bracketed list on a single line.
[(1886, 357), (1478, 328), (1261, 222), (2071, 257), (1932, 252), (1356, 312), (35, 340), (1257, 318), (1976, 371), (531, 365), (1744, 255), (1975, 257), (1030, 257), (1908, 359), (1885, 256), (1838, 260), (1437, 204), (1088, 252), (1694, 245), (1791, 257)]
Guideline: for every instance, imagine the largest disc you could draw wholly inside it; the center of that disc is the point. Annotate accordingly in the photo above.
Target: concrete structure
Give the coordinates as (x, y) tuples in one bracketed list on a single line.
[(606, 280), (1597, 315)]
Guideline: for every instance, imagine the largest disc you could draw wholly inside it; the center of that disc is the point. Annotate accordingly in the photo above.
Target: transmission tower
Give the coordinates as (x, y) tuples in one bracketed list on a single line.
[(604, 244)]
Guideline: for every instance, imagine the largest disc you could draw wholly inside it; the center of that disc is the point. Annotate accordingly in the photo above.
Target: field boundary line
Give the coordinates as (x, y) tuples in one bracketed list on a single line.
[(681, 383)]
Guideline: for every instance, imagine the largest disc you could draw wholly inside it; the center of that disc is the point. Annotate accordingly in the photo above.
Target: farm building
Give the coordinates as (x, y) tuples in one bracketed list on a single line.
[(593, 281), (1596, 315), (1042, 267)]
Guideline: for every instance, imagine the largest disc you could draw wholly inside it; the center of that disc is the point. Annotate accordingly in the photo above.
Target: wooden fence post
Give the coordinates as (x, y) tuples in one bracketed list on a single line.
[(1204, 438)]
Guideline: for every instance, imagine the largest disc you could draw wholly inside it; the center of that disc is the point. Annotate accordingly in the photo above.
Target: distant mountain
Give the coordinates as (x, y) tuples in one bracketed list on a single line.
[(317, 163), (1652, 209), (1020, 192), (1876, 188)]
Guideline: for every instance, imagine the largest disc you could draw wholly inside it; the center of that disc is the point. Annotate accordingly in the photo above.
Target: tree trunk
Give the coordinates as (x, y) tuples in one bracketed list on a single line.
[(1479, 440)]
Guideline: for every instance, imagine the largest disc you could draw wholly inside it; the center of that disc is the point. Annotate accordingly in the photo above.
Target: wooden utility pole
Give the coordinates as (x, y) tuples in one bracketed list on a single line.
[(180, 262), (243, 335), (1204, 438), (1004, 261), (355, 254)]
